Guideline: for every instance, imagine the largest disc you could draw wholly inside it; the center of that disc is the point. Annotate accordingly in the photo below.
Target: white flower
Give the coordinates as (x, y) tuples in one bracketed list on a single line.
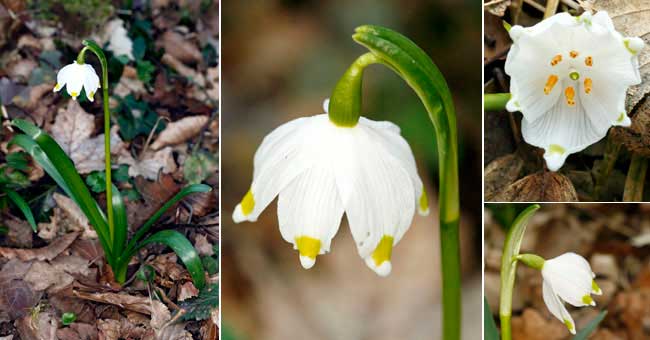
[(320, 170), (118, 39), (569, 278), (75, 76), (569, 76)]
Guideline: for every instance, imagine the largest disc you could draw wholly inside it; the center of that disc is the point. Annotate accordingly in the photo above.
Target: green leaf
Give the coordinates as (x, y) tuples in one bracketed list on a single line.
[(190, 189), (145, 70), (185, 251), (136, 118), (121, 224), (490, 328), (139, 48), (122, 173), (68, 318), (210, 264), (60, 167), (584, 333), (199, 307), (23, 206), (18, 161), (96, 181), (199, 166)]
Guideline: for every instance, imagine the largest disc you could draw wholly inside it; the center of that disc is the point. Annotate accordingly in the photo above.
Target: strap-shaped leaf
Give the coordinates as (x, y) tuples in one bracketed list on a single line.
[(185, 251), (190, 189), (584, 333), (121, 223), (509, 266), (23, 206), (51, 157)]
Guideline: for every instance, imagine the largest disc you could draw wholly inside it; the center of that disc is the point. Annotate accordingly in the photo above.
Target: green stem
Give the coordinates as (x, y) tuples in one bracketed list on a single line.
[(531, 260), (416, 68), (509, 267), (495, 101), (604, 169), (92, 46), (633, 191)]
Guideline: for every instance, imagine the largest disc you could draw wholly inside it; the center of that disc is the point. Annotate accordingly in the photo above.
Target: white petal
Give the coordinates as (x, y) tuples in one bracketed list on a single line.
[(74, 79), (376, 190), (562, 131), (281, 157), (392, 141), (310, 207), (63, 76), (556, 307), (91, 82), (570, 276)]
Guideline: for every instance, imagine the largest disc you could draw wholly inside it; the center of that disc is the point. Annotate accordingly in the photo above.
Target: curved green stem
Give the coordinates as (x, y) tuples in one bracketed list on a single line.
[(509, 267), (92, 46), (495, 101), (414, 66)]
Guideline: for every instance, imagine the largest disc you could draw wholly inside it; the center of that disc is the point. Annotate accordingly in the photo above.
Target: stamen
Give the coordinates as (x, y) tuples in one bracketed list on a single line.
[(570, 94), (589, 61), (573, 54), (556, 60), (588, 84), (550, 83)]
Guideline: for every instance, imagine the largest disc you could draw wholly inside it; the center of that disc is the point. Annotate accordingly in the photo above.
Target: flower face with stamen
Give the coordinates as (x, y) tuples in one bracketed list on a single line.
[(75, 77), (569, 278), (320, 170), (569, 78)]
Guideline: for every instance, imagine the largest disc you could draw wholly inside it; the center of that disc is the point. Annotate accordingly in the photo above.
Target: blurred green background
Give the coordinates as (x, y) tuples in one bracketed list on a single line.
[(280, 60)]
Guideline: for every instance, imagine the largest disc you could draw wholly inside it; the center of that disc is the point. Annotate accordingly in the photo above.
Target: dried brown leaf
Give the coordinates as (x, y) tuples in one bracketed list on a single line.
[(186, 291), (182, 69), (46, 253), (203, 246), (180, 131), (540, 187), (20, 233), (497, 7), (17, 297), (500, 173), (72, 130), (151, 163), (69, 217), (42, 326), (131, 302), (180, 47)]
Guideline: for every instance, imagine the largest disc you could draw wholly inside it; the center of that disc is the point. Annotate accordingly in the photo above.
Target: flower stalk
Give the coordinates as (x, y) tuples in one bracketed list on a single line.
[(405, 58), (81, 57), (633, 190), (495, 101)]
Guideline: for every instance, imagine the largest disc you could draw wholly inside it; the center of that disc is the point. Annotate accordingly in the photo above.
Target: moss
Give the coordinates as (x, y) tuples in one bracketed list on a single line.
[(77, 16)]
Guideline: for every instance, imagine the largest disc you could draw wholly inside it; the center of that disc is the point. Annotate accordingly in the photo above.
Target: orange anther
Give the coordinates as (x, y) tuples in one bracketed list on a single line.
[(589, 61), (570, 94), (550, 83), (573, 54), (588, 85), (556, 60)]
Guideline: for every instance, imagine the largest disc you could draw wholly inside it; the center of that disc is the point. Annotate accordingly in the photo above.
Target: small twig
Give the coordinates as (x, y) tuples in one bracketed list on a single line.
[(571, 4), (148, 141), (635, 180), (551, 8)]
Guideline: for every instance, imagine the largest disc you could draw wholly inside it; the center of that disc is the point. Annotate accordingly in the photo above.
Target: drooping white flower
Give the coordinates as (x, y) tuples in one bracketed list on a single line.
[(569, 278), (569, 77), (320, 170), (75, 76)]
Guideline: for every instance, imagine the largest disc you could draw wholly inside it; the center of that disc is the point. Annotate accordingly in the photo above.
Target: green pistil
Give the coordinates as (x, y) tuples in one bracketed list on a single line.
[(574, 75)]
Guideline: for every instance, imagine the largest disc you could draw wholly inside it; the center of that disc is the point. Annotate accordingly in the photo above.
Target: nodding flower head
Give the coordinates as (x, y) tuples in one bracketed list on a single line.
[(76, 76), (569, 77), (320, 170), (569, 278)]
